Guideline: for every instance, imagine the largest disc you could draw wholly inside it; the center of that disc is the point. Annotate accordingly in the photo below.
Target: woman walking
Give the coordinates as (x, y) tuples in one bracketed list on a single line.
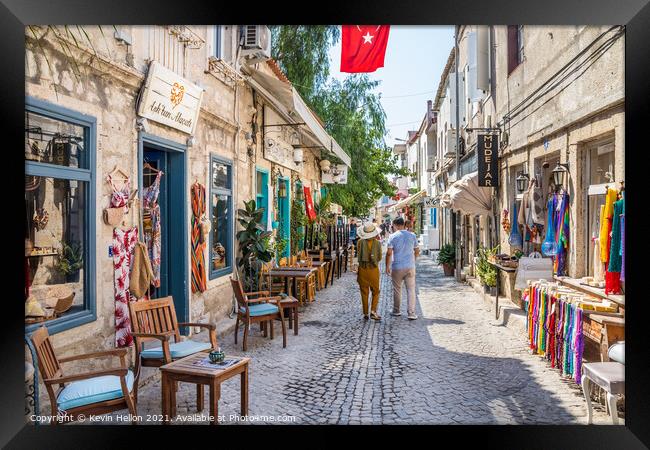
[(369, 255)]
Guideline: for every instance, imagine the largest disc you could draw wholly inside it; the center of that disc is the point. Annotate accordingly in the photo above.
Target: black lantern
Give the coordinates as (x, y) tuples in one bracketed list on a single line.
[(282, 189), (522, 181), (559, 175)]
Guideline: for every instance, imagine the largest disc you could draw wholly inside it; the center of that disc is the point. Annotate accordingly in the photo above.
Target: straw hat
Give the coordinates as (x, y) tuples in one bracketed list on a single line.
[(368, 231)]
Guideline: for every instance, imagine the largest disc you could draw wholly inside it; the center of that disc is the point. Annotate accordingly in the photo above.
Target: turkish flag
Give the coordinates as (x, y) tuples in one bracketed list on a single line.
[(363, 47), (309, 204)]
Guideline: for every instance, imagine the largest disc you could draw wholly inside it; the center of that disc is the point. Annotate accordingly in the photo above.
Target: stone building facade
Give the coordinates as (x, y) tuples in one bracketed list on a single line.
[(92, 77)]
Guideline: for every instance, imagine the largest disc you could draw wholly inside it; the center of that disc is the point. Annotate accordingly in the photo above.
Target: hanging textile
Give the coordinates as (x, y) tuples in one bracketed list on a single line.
[(198, 239), (561, 234), (309, 205), (615, 247), (123, 245), (623, 247), (549, 247), (606, 224), (515, 240), (152, 235), (554, 327)]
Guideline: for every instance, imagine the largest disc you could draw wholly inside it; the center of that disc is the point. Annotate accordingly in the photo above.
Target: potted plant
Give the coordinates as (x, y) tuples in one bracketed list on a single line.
[(70, 261), (486, 272), (447, 257), (253, 244)]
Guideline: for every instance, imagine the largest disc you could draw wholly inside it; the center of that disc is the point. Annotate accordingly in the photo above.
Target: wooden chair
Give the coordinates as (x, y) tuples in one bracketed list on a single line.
[(96, 392), (261, 308), (267, 282), (155, 320)]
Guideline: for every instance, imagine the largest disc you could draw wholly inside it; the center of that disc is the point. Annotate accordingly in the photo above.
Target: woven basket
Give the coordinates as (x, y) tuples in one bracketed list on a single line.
[(64, 304)]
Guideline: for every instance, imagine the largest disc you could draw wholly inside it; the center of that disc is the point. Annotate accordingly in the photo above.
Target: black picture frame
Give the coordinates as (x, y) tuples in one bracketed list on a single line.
[(635, 14)]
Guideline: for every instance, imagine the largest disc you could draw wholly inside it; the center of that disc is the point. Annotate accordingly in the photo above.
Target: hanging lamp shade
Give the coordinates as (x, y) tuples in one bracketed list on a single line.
[(522, 182), (559, 175), (325, 165)]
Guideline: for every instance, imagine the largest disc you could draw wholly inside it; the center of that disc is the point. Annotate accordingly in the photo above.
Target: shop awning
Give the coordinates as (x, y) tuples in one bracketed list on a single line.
[(467, 196), (294, 106), (408, 200)]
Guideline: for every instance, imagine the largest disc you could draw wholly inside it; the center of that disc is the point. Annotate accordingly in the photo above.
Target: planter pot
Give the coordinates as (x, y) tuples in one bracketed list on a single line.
[(72, 277), (492, 290), (448, 269)]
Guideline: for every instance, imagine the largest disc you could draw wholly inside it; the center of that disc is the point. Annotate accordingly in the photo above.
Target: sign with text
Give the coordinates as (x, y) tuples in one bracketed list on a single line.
[(170, 99), (488, 160), (430, 202), (338, 174)]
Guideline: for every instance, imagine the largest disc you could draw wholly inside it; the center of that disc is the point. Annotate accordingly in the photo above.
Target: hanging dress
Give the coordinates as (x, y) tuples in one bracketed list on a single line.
[(606, 225), (152, 237), (123, 245), (613, 275), (623, 247), (198, 240), (120, 197)]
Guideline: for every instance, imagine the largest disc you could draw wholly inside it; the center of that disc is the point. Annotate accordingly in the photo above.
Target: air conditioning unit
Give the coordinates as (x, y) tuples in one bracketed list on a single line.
[(256, 45), (451, 144)]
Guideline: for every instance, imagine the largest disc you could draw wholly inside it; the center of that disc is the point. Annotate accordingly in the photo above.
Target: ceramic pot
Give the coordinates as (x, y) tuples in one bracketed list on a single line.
[(216, 356), (448, 269)]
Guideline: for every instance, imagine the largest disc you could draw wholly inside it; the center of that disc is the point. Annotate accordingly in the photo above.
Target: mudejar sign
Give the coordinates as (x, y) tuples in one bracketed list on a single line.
[(488, 160)]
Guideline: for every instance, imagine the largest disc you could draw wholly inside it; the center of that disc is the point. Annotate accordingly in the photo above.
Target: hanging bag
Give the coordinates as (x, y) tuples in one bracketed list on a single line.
[(549, 246), (515, 240), (533, 267), (113, 216)]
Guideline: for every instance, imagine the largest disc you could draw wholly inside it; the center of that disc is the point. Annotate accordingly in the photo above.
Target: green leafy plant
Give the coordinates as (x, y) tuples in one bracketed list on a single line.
[(298, 222), (447, 255), (486, 272), (70, 258), (253, 243)]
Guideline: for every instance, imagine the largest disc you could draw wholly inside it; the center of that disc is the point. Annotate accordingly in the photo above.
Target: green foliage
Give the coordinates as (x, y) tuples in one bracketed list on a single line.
[(70, 258), (253, 244), (447, 254), (298, 222), (303, 54), (486, 271), (350, 109)]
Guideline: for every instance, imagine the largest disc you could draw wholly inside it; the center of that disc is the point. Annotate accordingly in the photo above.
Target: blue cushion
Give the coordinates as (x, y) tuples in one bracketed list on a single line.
[(98, 389), (260, 309), (177, 349)]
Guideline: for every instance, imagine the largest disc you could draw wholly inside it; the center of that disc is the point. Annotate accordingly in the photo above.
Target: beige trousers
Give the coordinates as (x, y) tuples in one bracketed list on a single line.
[(408, 277)]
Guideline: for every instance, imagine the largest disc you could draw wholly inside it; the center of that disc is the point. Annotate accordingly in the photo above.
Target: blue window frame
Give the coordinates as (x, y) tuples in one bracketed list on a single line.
[(221, 214), (60, 184), (262, 193)]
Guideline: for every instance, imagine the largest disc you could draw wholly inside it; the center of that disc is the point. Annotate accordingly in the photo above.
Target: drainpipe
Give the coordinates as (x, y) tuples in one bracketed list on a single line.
[(458, 216)]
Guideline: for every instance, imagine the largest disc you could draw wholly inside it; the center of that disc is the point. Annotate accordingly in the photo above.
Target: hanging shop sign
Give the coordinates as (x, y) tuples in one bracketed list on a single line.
[(488, 160), (338, 174), (170, 99), (430, 202), (277, 141)]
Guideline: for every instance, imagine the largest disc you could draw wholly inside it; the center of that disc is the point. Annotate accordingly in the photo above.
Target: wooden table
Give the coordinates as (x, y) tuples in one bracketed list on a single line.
[(292, 273), (506, 269), (184, 370)]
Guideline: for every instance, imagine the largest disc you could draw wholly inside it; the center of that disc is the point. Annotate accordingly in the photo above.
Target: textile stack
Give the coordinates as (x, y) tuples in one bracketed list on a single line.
[(554, 320)]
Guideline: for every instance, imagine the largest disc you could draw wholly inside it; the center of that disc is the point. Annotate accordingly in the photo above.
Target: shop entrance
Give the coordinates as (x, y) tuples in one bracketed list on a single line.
[(163, 226), (284, 216)]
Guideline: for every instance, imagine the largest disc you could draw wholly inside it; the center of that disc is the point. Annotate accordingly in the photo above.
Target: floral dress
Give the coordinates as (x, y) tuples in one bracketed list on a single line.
[(152, 235), (123, 244)]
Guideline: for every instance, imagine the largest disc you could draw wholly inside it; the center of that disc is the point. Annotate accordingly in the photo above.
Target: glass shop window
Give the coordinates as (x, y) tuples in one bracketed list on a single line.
[(221, 245), (58, 260), (600, 170)]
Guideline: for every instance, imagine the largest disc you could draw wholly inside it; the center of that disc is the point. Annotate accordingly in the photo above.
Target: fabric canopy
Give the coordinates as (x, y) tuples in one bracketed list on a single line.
[(290, 100), (467, 196), (408, 200)]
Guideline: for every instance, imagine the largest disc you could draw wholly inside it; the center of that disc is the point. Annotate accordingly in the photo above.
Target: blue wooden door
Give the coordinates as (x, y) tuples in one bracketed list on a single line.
[(284, 214)]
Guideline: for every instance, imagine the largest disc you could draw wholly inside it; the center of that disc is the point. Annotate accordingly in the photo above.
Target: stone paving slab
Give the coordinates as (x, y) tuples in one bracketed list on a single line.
[(448, 367)]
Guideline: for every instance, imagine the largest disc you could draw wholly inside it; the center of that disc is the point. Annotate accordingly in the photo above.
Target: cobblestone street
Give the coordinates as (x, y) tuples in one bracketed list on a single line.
[(451, 366)]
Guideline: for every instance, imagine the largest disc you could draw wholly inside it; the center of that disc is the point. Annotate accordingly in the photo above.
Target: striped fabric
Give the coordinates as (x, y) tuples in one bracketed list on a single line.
[(198, 241)]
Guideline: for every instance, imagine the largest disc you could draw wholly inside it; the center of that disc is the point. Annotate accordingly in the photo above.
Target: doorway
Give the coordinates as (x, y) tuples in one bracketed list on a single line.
[(284, 214), (162, 182)]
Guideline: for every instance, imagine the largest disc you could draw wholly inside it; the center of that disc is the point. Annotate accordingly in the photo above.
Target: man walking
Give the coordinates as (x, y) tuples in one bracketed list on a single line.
[(402, 250)]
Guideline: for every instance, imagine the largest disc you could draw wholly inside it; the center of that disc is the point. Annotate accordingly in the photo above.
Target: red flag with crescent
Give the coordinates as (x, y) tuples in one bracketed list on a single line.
[(363, 47), (309, 205)]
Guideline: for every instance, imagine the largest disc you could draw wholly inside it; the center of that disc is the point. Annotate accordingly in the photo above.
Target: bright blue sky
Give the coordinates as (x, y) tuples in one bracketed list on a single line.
[(415, 59)]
